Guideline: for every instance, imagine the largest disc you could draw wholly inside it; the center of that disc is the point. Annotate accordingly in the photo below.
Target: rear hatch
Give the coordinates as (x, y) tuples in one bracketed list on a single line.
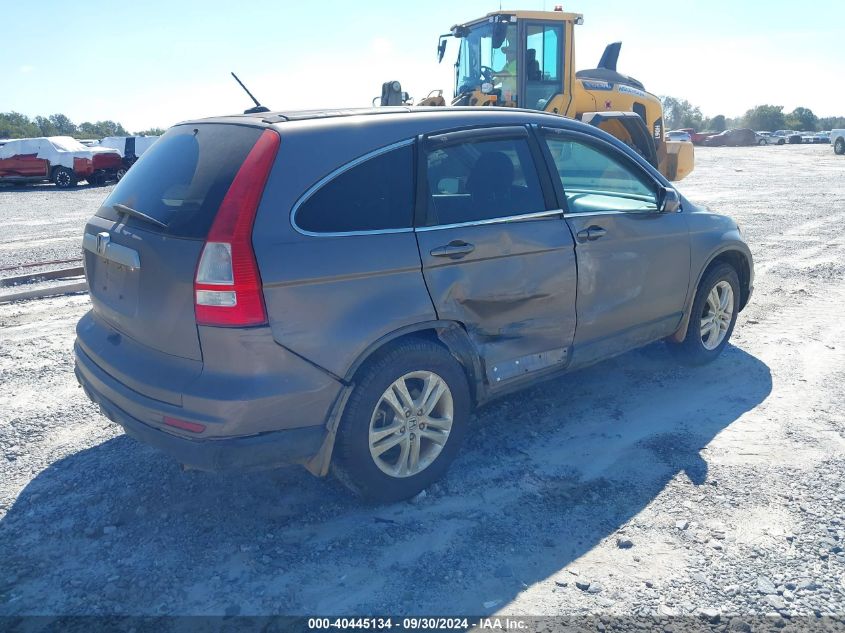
[(142, 247)]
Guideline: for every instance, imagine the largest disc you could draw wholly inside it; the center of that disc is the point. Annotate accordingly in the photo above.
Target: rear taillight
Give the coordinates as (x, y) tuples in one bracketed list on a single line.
[(227, 286)]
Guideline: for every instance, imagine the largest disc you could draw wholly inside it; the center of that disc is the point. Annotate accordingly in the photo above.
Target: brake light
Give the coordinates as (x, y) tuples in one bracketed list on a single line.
[(227, 285)]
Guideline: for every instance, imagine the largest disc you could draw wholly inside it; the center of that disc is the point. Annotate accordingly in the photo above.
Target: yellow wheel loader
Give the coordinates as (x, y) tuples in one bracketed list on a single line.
[(525, 59)]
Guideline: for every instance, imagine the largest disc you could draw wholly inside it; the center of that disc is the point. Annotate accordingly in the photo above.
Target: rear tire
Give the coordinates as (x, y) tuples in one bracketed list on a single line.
[(839, 146), (64, 178), (120, 173), (389, 448), (712, 318)]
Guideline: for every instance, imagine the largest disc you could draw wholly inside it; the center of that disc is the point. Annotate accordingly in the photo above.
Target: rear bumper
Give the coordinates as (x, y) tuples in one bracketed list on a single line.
[(265, 450)]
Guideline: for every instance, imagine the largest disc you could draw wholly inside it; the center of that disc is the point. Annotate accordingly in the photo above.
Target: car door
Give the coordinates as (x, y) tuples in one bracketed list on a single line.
[(496, 254), (633, 259)]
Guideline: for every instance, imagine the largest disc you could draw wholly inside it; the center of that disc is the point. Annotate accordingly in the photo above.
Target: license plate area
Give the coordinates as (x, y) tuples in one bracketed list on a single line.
[(116, 285)]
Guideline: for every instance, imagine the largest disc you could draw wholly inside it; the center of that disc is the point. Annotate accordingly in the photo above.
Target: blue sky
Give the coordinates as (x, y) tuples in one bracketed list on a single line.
[(153, 63)]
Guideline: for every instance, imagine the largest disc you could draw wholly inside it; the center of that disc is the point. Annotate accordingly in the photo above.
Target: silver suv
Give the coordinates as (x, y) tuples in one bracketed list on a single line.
[(341, 289)]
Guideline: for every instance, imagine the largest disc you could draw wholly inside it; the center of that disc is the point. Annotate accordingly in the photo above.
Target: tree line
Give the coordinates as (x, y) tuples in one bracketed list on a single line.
[(17, 125), (680, 113)]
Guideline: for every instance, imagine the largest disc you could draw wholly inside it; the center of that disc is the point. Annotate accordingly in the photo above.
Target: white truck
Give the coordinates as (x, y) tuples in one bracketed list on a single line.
[(837, 139), (129, 147)]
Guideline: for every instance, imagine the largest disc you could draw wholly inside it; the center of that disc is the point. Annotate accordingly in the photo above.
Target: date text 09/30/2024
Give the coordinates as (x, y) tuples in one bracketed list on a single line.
[(418, 624)]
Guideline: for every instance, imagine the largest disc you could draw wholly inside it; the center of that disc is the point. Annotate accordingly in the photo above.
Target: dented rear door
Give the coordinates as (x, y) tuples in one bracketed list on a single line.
[(496, 255)]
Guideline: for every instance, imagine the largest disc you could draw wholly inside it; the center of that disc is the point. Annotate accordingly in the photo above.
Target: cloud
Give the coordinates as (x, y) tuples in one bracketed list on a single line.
[(26, 69)]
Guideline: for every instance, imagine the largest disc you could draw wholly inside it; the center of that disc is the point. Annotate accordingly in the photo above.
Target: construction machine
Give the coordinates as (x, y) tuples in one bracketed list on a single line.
[(526, 59)]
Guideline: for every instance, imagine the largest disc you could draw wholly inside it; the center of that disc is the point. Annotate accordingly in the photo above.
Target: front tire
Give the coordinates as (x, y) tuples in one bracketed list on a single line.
[(839, 146), (712, 318), (403, 423), (64, 178)]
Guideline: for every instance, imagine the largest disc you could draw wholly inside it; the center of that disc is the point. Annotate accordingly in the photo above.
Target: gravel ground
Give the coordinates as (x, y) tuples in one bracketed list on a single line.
[(635, 487), (43, 223)]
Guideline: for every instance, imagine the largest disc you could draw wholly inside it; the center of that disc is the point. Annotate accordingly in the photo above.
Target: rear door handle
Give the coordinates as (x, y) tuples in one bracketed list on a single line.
[(454, 250), (591, 234)]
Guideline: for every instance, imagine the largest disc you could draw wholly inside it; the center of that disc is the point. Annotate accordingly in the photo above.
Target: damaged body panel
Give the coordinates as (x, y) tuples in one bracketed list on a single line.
[(515, 292)]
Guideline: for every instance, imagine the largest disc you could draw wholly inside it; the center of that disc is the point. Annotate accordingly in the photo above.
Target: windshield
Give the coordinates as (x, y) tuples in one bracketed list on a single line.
[(479, 62), (67, 144)]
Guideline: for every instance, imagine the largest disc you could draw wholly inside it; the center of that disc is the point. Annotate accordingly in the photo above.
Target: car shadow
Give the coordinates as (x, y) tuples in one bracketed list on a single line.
[(546, 476)]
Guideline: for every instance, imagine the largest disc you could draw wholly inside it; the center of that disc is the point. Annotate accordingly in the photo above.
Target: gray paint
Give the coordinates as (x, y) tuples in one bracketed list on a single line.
[(514, 293), (332, 301), (153, 303), (636, 274)]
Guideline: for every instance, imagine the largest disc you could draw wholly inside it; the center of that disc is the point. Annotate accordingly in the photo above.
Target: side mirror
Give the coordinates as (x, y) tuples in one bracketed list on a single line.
[(441, 48), (670, 200)]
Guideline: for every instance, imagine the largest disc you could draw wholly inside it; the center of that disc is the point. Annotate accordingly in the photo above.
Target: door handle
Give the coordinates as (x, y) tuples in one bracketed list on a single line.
[(454, 250), (591, 234)]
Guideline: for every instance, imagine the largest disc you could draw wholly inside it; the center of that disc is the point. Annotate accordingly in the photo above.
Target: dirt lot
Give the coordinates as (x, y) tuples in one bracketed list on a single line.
[(633, 487)]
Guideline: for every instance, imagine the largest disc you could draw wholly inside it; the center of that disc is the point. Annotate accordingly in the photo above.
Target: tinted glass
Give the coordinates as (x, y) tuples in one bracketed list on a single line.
[(481, 180), (182, 179), (593, 180), (374, 195)]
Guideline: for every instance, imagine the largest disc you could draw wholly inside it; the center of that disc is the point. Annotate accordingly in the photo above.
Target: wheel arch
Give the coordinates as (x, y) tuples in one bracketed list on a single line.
[(452, 335), (741, 263)]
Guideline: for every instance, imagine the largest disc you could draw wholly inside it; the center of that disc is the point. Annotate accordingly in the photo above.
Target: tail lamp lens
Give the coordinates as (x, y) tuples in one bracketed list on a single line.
[(227, 285)]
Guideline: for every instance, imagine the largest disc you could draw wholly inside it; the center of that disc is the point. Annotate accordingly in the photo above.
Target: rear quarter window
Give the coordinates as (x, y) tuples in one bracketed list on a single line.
[(374, 193), (182, 179)]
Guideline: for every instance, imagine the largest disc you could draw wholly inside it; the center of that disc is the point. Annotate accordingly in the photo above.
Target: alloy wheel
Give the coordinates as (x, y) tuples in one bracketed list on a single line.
[(411, 424), (717, 315)]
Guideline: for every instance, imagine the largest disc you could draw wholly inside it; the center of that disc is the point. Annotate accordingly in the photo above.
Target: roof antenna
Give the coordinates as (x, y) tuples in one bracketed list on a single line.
[(258, 107)]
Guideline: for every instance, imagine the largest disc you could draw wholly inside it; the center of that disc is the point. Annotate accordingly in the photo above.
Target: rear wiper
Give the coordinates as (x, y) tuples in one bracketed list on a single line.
[(122, 208)]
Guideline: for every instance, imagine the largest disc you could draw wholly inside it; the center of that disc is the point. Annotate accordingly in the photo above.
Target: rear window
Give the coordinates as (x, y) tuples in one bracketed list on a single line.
[(182, 179)]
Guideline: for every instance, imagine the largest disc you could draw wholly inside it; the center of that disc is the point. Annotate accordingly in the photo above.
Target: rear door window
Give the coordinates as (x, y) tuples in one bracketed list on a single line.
[(481, 179), (373, 193), (182, 179)]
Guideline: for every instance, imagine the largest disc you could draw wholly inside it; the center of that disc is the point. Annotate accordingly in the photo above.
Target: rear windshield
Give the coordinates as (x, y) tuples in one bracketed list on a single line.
[(182, 179)]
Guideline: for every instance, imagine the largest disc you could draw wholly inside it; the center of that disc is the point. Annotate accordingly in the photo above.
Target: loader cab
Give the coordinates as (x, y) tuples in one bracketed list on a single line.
[(521, 59)]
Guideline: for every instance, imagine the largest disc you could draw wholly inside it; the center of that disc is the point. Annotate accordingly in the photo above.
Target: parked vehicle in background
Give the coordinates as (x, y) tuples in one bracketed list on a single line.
[(3, 141), (732, 138), (763, 138), (837, 138), (795, 138), (88, 142), (678, 135), (337, 294), (697, 138), (59, 159), (129, 147), (822, 137), (779, 137)]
